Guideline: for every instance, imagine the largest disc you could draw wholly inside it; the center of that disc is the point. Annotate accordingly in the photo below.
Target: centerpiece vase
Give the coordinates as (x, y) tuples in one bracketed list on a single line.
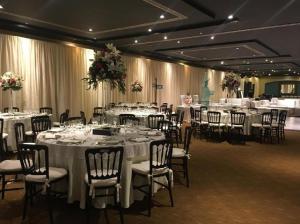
[(11, 101)]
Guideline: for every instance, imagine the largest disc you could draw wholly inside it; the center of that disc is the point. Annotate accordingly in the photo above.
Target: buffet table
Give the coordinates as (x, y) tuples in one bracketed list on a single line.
[(67, 147)]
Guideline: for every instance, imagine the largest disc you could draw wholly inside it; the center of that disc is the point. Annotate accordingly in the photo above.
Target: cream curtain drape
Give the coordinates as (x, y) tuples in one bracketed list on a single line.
[(53, 77)]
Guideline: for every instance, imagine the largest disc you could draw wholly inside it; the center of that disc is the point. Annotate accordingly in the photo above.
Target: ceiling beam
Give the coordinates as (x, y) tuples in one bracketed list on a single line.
[(200, 7)]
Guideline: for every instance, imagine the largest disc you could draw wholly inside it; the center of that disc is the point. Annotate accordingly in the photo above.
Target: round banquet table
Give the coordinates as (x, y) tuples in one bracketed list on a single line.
[(251, 117), (9, 121), (112, 116), (67, 147)]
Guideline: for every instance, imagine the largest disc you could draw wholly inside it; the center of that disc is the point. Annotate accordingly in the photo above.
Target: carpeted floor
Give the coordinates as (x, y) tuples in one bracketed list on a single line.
[(230, 184)]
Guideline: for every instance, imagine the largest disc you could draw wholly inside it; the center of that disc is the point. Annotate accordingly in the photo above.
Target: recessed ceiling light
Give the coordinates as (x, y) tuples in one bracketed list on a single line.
[(269, 74), (165, 37), (237, 48), (1, 7), (294, 72), (136, 41), (289, 70), (200, 33), (212, 37), (230, 17), (26, 23), (266, 60), (222, 62), (149, 30), (181, 52), (90, 29), (162, 16), (178, 42), (271, 61)]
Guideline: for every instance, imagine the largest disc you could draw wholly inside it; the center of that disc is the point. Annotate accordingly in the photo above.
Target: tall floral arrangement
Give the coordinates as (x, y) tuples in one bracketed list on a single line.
[(136, 86), (231, 82), (107, 67), (10, 80)]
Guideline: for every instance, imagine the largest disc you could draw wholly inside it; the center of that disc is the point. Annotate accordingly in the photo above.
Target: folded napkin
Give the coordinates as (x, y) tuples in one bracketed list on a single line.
[(108, 142), (69, 141), (50, 136)]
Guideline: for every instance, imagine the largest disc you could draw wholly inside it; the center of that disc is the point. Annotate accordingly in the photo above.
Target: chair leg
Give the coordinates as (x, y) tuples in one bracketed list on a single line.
[(170, 190), (5, 145), (119, 206), (3, 186), (25, 200), (49, 201), (186, 171), (150, 197), (87, 205)]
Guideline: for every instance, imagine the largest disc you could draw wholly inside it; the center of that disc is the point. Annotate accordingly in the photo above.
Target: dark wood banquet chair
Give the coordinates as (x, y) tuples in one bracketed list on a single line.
[(103, 177), (181, 156), (199, 124), (63, 117), (3, 136), (275, 113), (39, 177), (46, 110), (82, 115), (165, 127), (98, 117), (236, 126), (7, 167), (124, 118), (99, 110), (39, 124), (20, 133), (214, 124), (155, 108), (74, 120), (180, 122), (154, 103), (153, 120), (163, 108), (278, 127), (263, 128), (15, 109), (174, 130), (159, 165)]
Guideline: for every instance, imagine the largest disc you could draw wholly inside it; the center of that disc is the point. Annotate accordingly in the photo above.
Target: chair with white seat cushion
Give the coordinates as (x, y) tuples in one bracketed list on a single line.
[(237, 121), (104, 166), (214, 123), (264, 128), (158, 166), (38, 124), (7, 167), (183, 154), (35, 164)]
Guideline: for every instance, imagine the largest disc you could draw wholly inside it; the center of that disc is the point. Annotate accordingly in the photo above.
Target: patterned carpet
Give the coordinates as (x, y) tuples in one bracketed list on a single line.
[(230, 184)]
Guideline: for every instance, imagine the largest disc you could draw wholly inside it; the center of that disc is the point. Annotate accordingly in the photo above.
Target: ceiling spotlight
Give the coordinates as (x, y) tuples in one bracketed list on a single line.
[(136, 41), (289, 69), (90, 29), (1, 7), (222, 62), (266, 60), (149, 30), (269, 74), (200, 33), (181, 52), (294, 72), (162, 16), (237, 48), (165, 37), (271, 61), (212, 37), (230, 17), (178, 42)]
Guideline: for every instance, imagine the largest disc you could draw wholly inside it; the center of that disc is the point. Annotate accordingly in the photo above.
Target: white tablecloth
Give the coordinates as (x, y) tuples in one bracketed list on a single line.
[(72, 158), (113, 115), (9, 121)]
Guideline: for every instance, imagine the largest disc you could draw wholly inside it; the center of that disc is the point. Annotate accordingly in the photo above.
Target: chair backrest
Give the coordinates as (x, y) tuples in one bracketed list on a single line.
[(19, 133), (124, 118), (99, 117), (163, 108), (155, 108), (213, 117), (266, 118), (111, 105), (192, 112), (99, 110), (165, 126), (237, 118), (282, 117), (63, 117), (153, 120), (106, 162), (154, 103), (203, 108), (14, 109), (40, 123), (82, 115), (34, 159), (133, 107), (160, 155), (74, 120), (187, 139), (2, 153), (47, 110), (198, 115), (174, 118), (274, 113)]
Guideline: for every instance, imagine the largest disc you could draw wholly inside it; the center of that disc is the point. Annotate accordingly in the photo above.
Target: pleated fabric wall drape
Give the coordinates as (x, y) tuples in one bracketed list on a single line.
[(53, 77)]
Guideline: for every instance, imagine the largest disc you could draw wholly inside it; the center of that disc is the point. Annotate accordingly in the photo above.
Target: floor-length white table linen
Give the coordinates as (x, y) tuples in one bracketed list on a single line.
[(67, 148)]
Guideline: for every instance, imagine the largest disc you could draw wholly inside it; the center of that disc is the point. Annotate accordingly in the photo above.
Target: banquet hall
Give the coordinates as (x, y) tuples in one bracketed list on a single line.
[(150, 111)]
